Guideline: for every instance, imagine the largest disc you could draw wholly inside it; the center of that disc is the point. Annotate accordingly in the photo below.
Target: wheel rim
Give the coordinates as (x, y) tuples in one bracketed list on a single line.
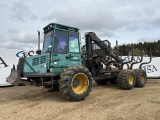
[(143, 78), (131, 79), (79, 83)]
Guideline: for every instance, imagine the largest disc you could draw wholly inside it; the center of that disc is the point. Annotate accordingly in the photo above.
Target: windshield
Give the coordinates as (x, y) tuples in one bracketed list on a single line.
[(47, 41), (73, 42), (60, 42)]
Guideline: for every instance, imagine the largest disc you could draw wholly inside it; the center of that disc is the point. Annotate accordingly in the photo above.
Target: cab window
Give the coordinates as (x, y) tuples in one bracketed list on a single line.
[(73, 42), (47, 41), (60, 45)]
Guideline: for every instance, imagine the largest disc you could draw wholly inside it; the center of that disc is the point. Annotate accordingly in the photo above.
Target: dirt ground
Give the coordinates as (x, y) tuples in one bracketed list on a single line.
[(104, 103)]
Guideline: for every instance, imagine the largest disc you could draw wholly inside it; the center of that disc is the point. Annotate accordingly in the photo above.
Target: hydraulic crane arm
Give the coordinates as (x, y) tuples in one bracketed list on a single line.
[(91, 36)]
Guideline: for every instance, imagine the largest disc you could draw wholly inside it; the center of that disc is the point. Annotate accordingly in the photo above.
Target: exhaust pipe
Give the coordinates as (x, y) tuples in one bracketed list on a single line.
[(38, 51), (38, 39)]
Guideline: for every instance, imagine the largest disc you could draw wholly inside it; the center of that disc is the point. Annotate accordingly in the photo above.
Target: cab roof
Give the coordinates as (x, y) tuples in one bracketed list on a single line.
[(59, 26)]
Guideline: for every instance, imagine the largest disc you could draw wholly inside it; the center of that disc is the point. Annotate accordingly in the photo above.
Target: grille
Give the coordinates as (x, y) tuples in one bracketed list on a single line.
[(35, 61), (42, 59)]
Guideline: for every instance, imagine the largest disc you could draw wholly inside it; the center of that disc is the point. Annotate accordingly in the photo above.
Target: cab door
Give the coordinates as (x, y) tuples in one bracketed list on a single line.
[(66, 50), (74, 49)]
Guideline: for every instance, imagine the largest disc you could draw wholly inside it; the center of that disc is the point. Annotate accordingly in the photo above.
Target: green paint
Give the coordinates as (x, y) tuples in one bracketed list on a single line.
[(64, 50), (37, 63)]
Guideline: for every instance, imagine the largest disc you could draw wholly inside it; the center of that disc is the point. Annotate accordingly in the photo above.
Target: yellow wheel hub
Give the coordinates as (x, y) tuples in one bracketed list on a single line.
[(142, 77), (79, 83), (131, 79)]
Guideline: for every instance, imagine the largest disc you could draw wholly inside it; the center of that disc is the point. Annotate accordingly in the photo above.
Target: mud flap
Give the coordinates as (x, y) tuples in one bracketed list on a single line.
[(14, 77)]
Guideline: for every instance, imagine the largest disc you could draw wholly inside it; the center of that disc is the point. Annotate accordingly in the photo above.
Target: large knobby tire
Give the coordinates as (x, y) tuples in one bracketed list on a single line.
[(126, 79), (101, 81), (141, 77), (75, 83)]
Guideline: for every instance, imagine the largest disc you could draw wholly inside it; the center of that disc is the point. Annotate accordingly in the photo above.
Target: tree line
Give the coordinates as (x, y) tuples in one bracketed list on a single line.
[(126, 49)]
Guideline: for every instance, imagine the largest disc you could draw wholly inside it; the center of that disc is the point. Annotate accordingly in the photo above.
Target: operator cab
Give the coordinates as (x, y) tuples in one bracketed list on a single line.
[(61, 45), (60, 39)]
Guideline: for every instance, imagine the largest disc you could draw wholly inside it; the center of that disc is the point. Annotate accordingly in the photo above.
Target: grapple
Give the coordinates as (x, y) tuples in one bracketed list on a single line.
[(14, 77)]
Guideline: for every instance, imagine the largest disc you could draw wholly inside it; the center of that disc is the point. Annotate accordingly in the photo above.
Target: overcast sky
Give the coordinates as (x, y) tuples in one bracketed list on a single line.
[(128, 21)]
